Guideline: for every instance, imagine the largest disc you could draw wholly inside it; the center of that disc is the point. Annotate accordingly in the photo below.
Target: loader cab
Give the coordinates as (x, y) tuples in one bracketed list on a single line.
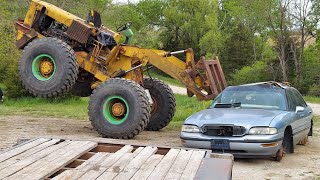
[(94, 18)]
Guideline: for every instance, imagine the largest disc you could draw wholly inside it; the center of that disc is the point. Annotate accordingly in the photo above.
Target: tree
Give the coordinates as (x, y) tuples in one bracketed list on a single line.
[(251, 14), (278, 21), (305, 22), (191, 23), (237, 51), (250, 74)]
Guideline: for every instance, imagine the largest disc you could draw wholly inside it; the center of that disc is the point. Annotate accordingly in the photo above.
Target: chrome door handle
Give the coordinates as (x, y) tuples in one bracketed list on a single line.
[(310, 112)]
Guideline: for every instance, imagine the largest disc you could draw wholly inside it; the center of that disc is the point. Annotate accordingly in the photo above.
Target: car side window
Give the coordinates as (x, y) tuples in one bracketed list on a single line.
[(299, 98), (292, 103)]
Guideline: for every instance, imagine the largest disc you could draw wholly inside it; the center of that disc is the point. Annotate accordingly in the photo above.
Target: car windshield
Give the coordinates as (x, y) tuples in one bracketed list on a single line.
[(262, 96)]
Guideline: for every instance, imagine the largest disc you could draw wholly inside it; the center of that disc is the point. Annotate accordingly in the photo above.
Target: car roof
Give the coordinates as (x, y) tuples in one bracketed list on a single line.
[(284, 85)]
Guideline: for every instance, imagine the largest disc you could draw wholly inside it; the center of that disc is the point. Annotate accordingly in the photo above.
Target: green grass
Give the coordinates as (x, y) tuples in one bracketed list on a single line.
[(76, 108), (312, 99), (65, 108), (316, 123), (187, 106)]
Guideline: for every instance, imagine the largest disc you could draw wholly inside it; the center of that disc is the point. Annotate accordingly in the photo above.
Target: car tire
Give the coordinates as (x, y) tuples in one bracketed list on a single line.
[(119, 108), (286, 147), (287, 142), (164, 107), (311, 129), (48, 67)]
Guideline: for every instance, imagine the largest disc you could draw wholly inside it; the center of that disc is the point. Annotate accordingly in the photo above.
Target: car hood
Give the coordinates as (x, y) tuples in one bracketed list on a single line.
[(234, 116)]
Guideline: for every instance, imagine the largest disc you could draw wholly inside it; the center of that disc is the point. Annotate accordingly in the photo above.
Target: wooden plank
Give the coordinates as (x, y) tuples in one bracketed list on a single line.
[(83, 168), (165, 164), (193, 165), (179, 165), (64, 160), (28, 153), (116, 167), (27, 161), (33, 164), (45, 169), (95, 171), (114, 159), (136, 163), (147, 168), (20, 149)]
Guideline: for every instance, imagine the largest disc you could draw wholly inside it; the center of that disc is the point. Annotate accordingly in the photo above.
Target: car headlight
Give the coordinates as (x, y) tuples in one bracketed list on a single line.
[(190, 128), (263, 130)]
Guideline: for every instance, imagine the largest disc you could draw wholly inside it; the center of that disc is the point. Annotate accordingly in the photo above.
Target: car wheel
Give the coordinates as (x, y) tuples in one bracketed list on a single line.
[(286, 147), (311, 129), (279, 154)]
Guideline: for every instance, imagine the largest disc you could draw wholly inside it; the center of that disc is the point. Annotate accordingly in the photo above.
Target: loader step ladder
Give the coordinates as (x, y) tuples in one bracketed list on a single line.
[(45, 158)]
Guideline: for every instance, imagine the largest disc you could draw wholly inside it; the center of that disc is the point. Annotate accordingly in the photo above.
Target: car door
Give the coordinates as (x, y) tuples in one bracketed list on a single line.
[(293, 120), (302, 119), (307, 113)]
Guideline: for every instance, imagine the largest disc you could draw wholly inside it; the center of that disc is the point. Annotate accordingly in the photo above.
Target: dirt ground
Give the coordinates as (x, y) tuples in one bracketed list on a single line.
[(303, 164)]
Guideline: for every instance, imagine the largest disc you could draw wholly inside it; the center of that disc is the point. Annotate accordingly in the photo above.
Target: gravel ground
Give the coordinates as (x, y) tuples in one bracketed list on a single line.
[(178, 90), (303, 164), (315, 108)]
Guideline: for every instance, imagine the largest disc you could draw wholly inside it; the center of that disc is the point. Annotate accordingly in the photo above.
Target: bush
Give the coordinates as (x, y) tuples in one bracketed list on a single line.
[(314, 90), (250, 74), (12, 82)]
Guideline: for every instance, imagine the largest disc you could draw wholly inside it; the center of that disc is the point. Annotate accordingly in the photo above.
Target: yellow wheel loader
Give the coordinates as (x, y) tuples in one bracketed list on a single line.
[(64, 53)]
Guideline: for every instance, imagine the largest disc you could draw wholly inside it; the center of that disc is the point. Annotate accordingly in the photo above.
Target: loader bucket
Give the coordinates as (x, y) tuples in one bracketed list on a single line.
[(215, 81)]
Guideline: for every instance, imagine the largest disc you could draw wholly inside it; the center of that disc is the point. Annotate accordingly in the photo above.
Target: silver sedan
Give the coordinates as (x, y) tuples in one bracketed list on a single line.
[(254, 120)]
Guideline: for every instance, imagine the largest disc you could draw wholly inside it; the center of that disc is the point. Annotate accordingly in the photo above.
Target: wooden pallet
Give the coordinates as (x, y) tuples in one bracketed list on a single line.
[(58, 159)]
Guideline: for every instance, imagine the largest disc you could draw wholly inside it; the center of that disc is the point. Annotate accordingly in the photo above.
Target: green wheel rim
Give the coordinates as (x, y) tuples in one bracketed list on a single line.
[(107, 110), (36, 69)]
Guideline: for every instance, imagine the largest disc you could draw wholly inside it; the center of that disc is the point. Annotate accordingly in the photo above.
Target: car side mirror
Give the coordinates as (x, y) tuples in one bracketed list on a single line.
[(299, 109)]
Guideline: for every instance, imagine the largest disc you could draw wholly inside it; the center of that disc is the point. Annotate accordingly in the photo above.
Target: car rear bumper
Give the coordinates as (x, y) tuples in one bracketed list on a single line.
[(245, 146)]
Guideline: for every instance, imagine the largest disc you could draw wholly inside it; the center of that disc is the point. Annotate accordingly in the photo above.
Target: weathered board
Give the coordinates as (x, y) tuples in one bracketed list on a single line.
[(58, 159)]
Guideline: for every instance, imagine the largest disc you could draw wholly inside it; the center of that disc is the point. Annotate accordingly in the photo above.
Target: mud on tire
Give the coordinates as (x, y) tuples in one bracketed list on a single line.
[(48, 67), (119, 108), (164, 107)]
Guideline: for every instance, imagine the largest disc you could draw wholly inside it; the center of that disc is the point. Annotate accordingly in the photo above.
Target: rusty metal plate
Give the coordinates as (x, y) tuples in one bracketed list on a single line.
[(79, 31), (214, 75)]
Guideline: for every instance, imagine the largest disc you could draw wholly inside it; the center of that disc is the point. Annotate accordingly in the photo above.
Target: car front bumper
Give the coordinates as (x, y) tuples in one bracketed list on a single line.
[(244, 146)]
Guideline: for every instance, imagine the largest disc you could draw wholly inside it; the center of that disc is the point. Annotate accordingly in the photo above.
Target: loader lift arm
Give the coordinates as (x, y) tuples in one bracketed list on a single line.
[(212, 81), (204, 86)]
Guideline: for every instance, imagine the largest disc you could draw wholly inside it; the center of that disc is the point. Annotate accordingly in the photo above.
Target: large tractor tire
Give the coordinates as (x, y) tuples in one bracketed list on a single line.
[(164, 104), (119, 108), (48, 67)]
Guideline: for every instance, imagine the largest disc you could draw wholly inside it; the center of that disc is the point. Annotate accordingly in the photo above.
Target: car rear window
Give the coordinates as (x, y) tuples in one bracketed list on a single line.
[(262, 96)]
